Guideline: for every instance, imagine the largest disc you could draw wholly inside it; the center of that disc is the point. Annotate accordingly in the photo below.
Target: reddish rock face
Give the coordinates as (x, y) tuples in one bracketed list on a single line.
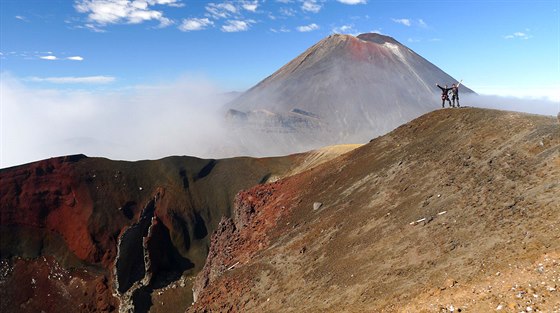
[(368, 51), (49, 195), (256, 214), (86, 212)]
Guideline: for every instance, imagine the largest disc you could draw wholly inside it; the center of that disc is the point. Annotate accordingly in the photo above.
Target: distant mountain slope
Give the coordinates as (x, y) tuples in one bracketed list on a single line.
[(456, 211), (344, 89)]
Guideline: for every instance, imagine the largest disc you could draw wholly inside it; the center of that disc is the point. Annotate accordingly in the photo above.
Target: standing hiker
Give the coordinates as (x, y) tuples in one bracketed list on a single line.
[(455, 94), (444, 95)]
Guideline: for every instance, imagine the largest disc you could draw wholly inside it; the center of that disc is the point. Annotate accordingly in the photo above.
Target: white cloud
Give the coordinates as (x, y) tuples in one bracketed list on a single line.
[(171, 3), (352, 2), (250, 5), (164, 22), (344, 29), (282, 29), (221, 10), (311, 6), (52, 57), (21, 18), (287, 11), (42, 123), (139, 16), (403, 21), (546, 93), (93, 28), (546, 105), (193, 24), (104, 12), (518, 35), (422, 23), (74, 80), (233, 26), (142, 5), (307, 28)]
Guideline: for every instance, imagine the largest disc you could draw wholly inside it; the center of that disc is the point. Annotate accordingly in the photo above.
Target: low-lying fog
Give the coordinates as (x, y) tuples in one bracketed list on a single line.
[(183, 117)]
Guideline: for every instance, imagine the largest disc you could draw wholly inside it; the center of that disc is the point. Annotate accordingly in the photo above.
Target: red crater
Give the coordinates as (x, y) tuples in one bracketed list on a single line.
[(48, 195)]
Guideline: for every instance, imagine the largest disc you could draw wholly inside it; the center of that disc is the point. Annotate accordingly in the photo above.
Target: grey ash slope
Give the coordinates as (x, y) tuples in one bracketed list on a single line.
[(343, 89)]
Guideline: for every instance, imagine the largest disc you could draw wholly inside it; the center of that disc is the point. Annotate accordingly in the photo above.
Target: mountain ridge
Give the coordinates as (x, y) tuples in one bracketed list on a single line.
[(456, 209)]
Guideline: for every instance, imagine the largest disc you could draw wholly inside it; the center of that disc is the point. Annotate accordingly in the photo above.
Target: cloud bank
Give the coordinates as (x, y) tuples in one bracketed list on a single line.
[(182, 117), (144, 122), (74, 80), (534, 106), (104, 12)]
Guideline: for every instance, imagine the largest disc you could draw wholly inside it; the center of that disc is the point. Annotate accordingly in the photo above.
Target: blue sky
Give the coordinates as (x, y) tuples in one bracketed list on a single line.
[(497, 47)]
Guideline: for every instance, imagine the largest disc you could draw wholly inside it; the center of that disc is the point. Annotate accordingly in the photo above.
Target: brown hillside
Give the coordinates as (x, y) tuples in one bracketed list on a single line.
[(456, 211)]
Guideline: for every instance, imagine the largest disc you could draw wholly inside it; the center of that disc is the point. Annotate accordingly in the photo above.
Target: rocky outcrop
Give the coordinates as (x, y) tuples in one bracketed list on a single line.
[(131, 254), (220, 254), (35, 285), (239, 237), (146, 259)]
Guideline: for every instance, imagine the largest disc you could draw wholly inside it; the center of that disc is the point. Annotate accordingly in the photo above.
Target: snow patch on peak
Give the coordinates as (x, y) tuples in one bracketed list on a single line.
[(395, 49)]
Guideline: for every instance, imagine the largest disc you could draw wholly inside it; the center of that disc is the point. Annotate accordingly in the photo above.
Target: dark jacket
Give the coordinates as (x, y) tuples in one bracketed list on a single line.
[(444, 92), (455, 90)]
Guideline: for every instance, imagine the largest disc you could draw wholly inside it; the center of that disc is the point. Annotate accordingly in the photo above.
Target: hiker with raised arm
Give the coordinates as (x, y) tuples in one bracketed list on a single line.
[(444, 95), (455, 94)]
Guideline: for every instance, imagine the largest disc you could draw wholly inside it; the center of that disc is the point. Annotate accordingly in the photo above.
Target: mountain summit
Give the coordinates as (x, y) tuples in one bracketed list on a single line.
[(342, 89)]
